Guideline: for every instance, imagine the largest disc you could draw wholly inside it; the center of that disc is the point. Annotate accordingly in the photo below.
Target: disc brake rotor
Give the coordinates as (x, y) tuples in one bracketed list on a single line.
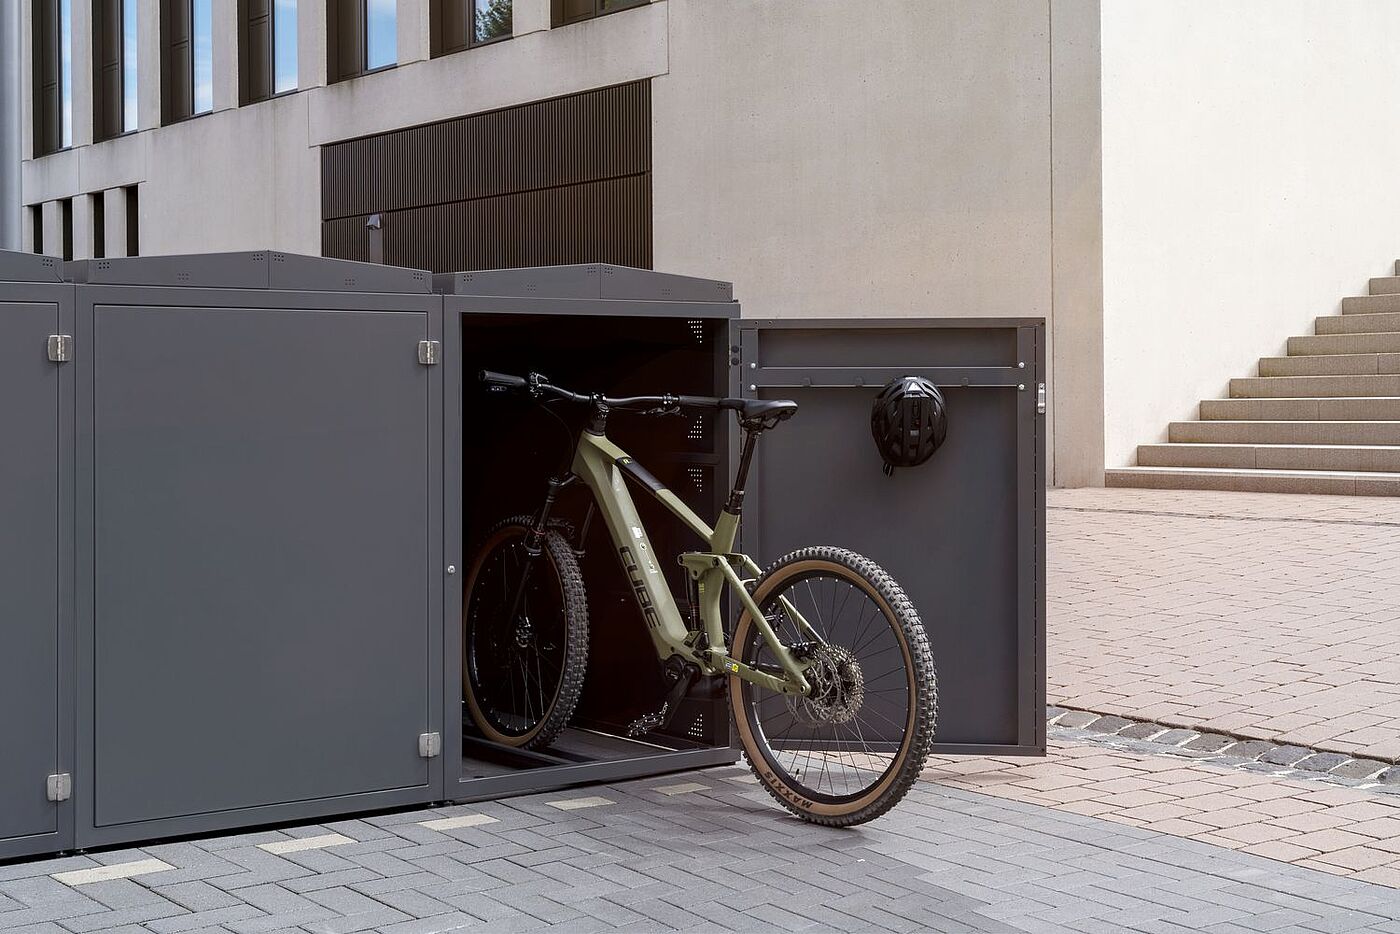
[(838, 687)]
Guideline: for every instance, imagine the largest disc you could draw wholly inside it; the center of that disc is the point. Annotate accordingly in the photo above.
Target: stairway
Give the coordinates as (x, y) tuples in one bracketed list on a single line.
[(1324, 419)]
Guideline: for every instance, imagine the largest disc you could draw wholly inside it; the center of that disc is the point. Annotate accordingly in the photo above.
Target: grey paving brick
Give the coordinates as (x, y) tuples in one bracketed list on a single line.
[(1175, 737), (1321, 761), (1286, 755), (1211, 742), (1359, 769)]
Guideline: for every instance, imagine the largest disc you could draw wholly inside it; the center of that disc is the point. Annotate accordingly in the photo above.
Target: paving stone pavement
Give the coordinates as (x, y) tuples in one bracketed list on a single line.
[(716, 858), (1266, 616), (1305, 821)]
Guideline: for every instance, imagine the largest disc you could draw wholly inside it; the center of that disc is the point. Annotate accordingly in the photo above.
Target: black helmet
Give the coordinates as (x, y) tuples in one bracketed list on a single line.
[(909, 421)]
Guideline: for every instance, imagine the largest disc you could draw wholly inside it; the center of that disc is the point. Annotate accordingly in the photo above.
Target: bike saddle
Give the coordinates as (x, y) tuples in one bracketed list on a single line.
[(767, 411)]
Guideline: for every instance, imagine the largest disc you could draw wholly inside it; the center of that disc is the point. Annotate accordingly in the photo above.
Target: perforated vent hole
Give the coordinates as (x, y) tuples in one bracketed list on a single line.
[(697, 429), (697, 728), (697, 478), (697, 330)]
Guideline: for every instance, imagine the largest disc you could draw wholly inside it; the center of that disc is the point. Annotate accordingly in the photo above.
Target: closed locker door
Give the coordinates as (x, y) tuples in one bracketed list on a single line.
[(261, 537), (31, 636)]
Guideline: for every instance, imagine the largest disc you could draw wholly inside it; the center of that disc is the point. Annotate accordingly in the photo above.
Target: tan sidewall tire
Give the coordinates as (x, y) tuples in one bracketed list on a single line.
[(502, 534), (793, 800)]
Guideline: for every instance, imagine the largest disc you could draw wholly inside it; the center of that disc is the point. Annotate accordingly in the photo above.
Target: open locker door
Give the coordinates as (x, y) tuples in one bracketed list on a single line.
[(963, 533)]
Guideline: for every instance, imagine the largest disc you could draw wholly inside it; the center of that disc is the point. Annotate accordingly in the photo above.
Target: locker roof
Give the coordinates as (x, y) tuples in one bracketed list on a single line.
[(28, 267), (587, 280), (264, 269)]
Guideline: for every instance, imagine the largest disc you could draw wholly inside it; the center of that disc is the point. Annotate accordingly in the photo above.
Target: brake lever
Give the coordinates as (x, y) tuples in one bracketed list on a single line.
[(663, 410)]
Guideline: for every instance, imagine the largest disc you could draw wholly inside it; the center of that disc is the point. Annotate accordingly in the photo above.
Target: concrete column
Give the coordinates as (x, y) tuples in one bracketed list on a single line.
[(27, 232), (114, 219), (311, 43), (415, 34), (53, 229), (11, 237), (26, 76), (148, 64), (82, 225), (529, 16), (225, 26), (82, 73), (1076, 352)]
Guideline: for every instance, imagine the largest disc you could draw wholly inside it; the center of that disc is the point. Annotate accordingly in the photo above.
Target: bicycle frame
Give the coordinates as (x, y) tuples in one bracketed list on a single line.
[(604, 467)]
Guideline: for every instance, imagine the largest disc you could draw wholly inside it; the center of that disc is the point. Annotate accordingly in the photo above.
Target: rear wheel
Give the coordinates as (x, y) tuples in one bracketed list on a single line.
[(849, 751), (522, 673)]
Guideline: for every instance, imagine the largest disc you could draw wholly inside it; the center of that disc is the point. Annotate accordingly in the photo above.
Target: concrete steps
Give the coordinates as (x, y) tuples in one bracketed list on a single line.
[(1338, 364), (1335, 483), (1323, 419), (1346, 457), (1359, 323), (1378, 342), (1294, 387), (1283, 432), (1328, 410)]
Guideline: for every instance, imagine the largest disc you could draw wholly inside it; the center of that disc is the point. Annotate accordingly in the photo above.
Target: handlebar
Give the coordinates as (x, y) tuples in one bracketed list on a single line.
[(536, 385)]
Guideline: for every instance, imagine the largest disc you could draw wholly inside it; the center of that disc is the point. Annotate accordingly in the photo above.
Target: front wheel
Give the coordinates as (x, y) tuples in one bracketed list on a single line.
[(852, 748), (524, 636)]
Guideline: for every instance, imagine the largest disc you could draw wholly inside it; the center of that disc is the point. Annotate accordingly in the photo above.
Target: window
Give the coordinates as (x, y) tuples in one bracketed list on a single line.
[(187, 59), (65, 218), (52, 45), (460, 24), (133, 218), (99, 225), (36, 226), (113, 68), (572, 11), (362, 36), (267, 49)]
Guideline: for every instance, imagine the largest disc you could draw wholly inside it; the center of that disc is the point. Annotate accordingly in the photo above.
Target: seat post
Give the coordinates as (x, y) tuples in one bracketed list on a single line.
[(735, 504)]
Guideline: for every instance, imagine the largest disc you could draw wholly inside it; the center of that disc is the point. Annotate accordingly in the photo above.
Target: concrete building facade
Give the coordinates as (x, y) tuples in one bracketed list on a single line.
[(1096, 163)]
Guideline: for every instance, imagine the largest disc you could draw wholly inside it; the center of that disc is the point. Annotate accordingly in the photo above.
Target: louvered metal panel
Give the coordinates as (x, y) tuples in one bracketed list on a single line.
[(566, 180)]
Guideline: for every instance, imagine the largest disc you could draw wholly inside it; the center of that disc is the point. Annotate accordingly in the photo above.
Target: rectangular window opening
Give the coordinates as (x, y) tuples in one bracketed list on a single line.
[(361, 36), (65, 219), (113, 68), (133, 219), (565, 12), (52, 78), (36, 226), (187, 59), (99, 225)]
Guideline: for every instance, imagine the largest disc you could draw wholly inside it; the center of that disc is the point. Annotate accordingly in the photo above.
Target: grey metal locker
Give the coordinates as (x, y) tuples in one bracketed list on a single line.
[(259, 524), (36, 502)]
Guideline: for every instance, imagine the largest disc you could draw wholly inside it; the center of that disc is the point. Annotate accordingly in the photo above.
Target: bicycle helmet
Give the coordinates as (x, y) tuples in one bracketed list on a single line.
[(909, 421)]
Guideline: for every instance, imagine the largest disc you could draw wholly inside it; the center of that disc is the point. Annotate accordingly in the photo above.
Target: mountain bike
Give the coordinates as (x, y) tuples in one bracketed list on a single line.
[(828, 669)]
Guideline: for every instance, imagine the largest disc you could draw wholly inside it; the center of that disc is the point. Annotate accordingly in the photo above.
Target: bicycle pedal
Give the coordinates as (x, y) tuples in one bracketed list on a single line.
[(648, 722)]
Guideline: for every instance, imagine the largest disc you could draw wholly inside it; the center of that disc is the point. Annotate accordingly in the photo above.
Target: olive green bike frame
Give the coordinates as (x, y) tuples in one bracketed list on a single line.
[(600, 464)]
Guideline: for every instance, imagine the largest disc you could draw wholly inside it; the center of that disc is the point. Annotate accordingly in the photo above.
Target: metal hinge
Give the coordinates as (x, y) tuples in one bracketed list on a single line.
[(1040, 398), (60, 786), (60, 347), (429, 352), (429, 745)]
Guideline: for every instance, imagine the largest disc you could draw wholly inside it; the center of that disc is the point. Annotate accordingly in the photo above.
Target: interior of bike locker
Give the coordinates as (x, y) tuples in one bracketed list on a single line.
[(618, 332)]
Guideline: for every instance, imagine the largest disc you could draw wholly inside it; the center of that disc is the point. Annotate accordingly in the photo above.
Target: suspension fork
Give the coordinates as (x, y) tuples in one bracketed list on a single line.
[(534, 540)]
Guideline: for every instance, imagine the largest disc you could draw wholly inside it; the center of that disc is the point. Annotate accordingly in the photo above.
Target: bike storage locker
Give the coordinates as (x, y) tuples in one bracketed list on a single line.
[(242, 494), (964, 532), (258, 524), (608, 329), (36, 546)]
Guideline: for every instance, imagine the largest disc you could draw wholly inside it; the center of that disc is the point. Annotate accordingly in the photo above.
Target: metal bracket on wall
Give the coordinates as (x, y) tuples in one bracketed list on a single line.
[(429, 352), (60, 347), (60, 786), (1040, 399), (429, 745)]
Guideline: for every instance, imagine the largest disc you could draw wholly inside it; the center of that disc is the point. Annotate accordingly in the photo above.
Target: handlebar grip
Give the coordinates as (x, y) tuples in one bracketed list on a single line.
[(502, 381)]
